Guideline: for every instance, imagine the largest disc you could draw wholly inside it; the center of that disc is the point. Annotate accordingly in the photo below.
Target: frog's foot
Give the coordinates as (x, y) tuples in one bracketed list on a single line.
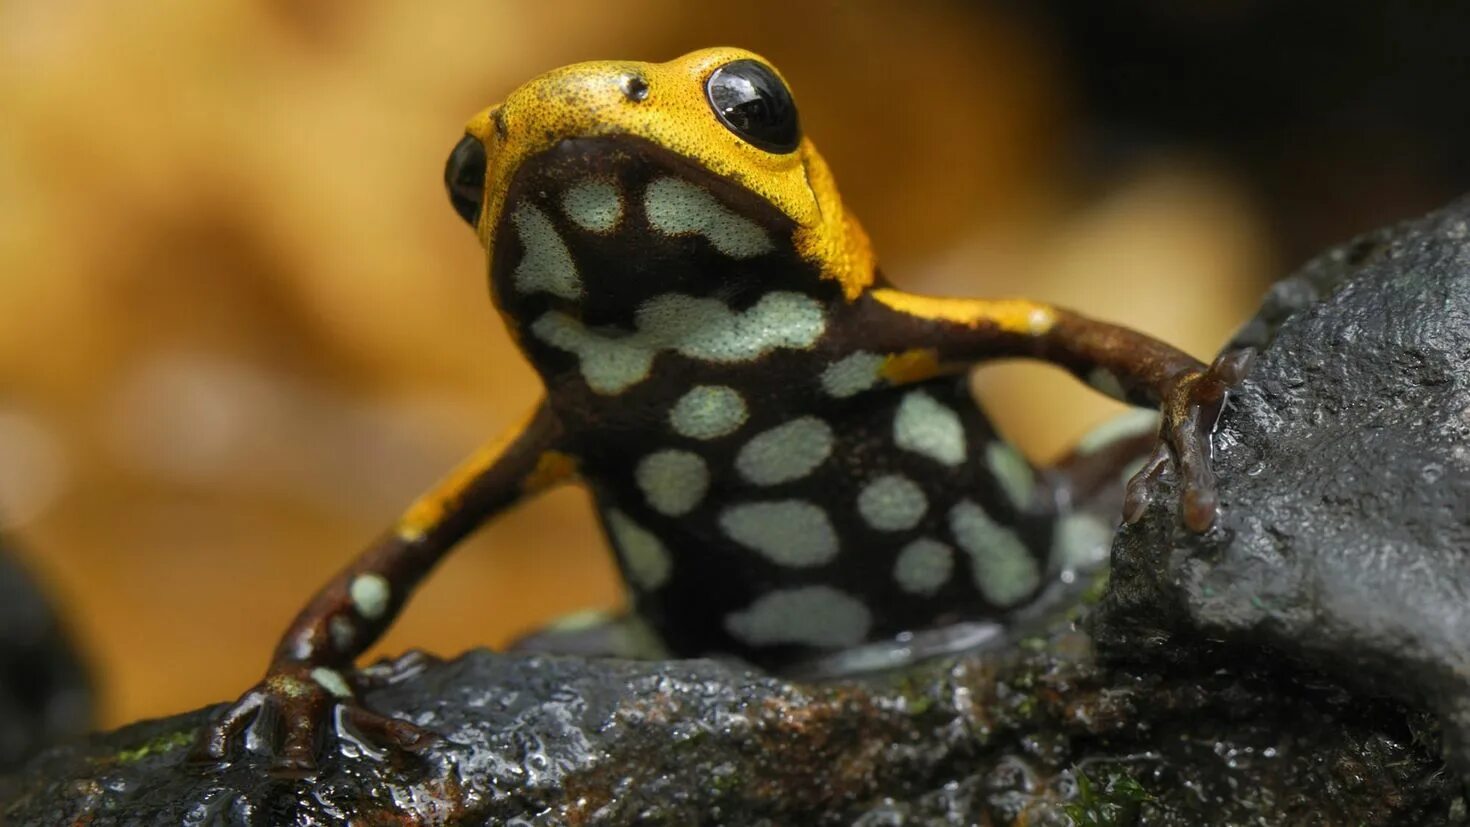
[(288, 717), (1191, 408)]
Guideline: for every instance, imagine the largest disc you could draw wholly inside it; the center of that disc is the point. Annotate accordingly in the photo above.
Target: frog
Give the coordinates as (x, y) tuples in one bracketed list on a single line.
[(781, 446)]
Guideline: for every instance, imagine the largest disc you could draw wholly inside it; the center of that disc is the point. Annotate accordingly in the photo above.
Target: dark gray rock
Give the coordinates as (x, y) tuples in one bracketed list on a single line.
[(44, 692), (1344, 539), (1036, 735), (1301, 664)]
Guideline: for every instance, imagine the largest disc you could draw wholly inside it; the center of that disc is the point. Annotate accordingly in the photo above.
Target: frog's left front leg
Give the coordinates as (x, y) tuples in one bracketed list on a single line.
[(305, 690), (930, 334)]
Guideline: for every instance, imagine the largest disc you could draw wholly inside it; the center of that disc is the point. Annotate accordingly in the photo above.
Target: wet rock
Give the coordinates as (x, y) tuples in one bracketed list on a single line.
[(44, 693), (1035, 734), (1301, 664), (1344, 541)]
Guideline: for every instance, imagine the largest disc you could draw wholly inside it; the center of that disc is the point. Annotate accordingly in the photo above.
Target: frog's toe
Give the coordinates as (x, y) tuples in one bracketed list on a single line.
[(1231, 368), (1139, 493), (386, 731), (219, 739), (1190, 415), (288, 720)]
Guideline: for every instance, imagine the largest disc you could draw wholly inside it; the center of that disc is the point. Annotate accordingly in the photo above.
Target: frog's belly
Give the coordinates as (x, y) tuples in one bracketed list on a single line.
[(897, 512)]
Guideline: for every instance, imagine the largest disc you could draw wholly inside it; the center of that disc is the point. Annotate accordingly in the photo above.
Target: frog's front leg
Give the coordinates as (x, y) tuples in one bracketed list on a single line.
[(306, 685), (929, 334)]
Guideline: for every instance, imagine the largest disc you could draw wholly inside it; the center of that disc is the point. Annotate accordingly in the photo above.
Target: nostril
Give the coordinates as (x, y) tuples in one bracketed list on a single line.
[(501, 130), (634, 87)]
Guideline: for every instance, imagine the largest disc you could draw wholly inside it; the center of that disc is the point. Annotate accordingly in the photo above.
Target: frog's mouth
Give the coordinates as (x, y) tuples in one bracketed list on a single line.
[(596, 226)]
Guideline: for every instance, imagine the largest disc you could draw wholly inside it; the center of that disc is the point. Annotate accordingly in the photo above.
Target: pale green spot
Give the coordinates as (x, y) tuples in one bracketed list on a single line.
[(1013, 473), (678, 207), (792, 533), (546, 265), (852, 374), (1003, 568), (708, 411), (581, 621), (609, 365), (923, 566), (673, 482), (331, 681), (707, 329), (785, 452), (699, 328), (647, 561), (892, 503), (812, 616), (924, 426), (370, 593), (594, 205)]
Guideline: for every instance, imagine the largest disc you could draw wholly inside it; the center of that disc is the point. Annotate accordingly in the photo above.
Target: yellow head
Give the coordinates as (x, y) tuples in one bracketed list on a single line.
[(724, 112)]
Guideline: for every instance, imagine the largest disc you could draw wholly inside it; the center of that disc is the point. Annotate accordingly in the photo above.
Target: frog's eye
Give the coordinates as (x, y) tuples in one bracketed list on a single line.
[(754, 104), (464, 177)]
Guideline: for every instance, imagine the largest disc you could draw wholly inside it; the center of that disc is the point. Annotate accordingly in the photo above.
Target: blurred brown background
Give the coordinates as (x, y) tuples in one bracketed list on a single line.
[(242, 326)]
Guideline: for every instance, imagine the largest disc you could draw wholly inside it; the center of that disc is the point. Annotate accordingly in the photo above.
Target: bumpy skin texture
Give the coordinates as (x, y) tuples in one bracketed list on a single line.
[(1352, 554), (779, 443)]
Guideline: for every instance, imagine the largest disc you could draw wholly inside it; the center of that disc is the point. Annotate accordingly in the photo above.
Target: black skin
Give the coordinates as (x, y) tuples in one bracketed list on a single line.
[(577, 433)]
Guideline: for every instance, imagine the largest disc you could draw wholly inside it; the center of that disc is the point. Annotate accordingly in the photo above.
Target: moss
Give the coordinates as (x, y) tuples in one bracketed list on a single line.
[(1097, 589), (1114, 801), (917, 705), (163, 743)]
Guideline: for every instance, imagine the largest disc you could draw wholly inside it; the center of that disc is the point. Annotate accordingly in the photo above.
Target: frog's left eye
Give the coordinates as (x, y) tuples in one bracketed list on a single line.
[(464, 177), (754, 104)]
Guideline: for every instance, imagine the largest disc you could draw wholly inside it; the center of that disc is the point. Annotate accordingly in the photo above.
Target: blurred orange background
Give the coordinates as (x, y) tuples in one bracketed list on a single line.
[(243, 326)]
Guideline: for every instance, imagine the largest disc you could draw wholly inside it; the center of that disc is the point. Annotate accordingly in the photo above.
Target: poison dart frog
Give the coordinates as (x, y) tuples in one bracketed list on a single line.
[(781, 446)]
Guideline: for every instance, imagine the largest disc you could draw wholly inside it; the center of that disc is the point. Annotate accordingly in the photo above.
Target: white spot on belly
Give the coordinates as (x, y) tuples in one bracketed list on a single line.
[(331, 681), (892, 503), (594, 205), (609, 365), (852, 374), (678, 207), (370, 593), (923, 566), (785, 452), (1103, 380), (792, 533), (707, 412), (546, 265), (672, 481), (1003, 568), (926, 427), (698, 328), (1080, 541), (644, 555), (811, 615), (1013, 473), (707, 329)]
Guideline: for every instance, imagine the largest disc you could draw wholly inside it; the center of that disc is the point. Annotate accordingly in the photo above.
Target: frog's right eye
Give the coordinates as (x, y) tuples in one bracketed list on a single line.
[(752, 102), (464, 177)]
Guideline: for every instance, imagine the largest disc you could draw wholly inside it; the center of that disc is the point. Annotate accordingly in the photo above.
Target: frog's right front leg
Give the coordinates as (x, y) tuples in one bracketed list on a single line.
[(305, 686)]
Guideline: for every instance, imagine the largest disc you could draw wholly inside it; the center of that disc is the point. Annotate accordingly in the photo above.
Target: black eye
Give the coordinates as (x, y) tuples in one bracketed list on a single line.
[(464, 177), (754, 104)]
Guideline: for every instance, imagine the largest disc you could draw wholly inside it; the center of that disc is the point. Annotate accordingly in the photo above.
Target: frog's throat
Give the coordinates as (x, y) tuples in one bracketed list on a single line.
[(587, 100)]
